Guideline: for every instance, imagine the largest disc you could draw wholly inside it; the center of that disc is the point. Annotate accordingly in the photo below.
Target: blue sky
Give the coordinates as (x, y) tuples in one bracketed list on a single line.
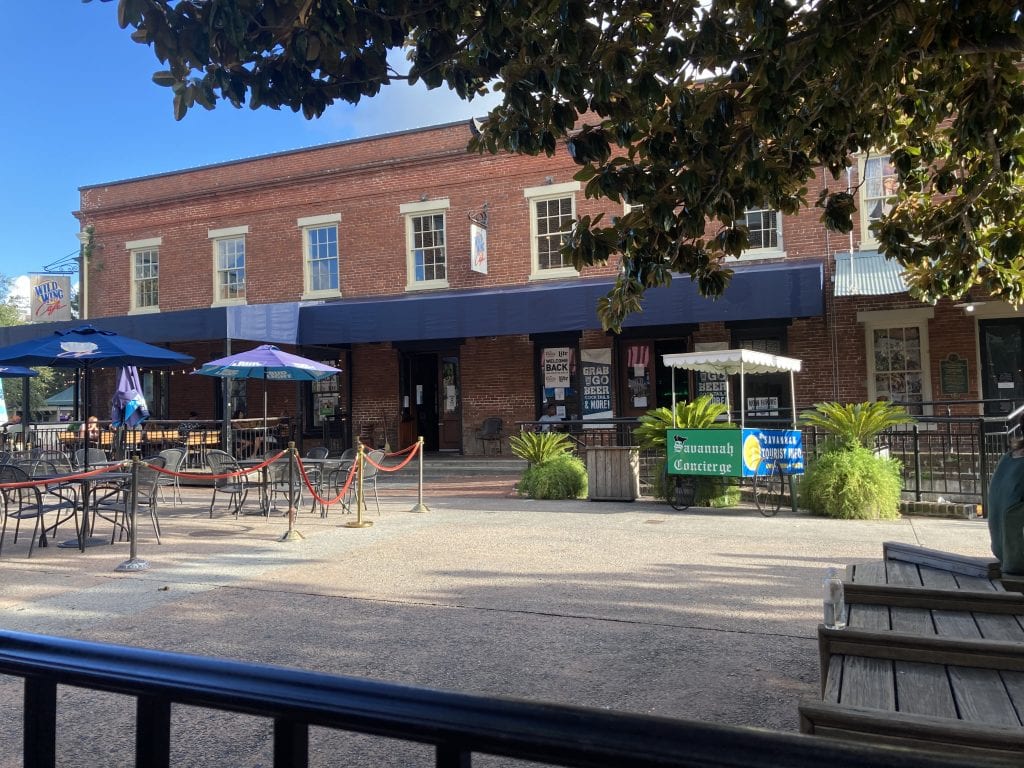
[(80, 108)]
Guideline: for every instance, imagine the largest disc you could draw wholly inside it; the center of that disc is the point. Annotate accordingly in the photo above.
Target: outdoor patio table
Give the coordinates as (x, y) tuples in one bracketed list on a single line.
[(89, 488)]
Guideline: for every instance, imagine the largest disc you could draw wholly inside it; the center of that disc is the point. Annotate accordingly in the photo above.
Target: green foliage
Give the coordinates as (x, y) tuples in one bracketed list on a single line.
[(562, 477), (700, 414), (540, 447), (855, 424), (797, 87), (852, 484)]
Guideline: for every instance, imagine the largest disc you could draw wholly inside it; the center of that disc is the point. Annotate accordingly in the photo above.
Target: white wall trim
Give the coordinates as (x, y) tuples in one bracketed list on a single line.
[(552, 190), (313, 221), (138, 245), (213, 234), (423, 206)]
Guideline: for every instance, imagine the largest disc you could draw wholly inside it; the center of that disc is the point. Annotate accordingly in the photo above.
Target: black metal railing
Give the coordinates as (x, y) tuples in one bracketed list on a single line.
[(943, 457), (457, 726)]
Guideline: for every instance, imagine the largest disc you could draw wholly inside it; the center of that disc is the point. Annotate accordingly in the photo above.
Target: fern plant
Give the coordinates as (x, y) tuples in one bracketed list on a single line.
[(539, 447), (855, 424), (702, 413)]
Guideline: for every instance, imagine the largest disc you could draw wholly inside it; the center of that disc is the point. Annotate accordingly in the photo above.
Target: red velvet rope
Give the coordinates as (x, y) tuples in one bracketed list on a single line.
[(341, 493), (64, 478), (412, 453)]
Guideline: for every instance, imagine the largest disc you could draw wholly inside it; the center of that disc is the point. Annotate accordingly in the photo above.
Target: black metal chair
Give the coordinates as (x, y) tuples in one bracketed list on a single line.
[(28, 504), (174, 461), (116, 509), (492, 432), (236, 488)]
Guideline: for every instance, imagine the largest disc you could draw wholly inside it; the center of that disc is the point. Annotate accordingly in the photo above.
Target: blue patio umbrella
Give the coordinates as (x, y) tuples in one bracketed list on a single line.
[(87, 347), (267, 362)]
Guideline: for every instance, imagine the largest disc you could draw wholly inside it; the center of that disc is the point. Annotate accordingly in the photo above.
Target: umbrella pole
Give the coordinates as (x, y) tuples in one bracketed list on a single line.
[(133, 563), (291, 534)]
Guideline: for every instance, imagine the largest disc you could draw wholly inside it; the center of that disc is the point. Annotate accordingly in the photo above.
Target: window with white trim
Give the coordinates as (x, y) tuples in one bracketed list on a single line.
[(552, 212), (228, 265), (877, 189), (764, 234), (320, 255), (897, 356), (426, 244), (144, 264)]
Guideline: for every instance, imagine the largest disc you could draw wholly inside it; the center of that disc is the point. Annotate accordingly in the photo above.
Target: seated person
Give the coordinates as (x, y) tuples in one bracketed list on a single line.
[(90, 430), (13, 428), (190, 425), (549, 418), (246, 444)]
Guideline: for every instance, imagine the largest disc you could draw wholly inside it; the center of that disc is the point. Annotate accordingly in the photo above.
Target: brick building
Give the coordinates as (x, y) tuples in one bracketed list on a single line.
[(362, 253)]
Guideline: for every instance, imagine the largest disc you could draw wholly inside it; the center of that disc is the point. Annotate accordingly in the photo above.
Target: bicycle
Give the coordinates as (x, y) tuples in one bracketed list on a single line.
[(771, 484), (683, 492)]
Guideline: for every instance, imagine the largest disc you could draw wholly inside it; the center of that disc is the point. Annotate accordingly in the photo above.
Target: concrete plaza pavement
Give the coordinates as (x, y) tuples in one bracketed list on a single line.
[(706, 614)]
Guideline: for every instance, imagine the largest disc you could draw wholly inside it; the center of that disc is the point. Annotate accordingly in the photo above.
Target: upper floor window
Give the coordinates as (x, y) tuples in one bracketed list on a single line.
[(145, 274), (552, 212), (228, 264), (426, 249), (764, 234), (877, 190), (320, 255)]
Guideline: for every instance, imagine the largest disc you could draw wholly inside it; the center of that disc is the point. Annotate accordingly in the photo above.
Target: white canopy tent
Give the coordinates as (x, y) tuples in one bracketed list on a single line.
[(729, 362)]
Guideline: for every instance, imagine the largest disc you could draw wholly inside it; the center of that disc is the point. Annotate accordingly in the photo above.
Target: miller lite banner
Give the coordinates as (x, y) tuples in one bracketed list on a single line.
[(50, 297)]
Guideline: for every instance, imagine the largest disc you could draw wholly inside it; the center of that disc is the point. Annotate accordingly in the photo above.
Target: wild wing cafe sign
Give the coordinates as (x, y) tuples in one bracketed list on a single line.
[(50, 297)]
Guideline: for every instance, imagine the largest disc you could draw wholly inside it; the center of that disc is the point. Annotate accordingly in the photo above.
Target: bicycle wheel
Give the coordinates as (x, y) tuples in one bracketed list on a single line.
[(682, 492), (769, 488)]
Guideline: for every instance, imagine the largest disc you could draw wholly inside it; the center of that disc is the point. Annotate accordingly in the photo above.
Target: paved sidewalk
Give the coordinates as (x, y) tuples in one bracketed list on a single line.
[(705, 614)]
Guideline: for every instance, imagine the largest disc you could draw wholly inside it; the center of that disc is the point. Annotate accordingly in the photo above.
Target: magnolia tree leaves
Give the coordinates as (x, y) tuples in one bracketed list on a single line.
[(692, 111)]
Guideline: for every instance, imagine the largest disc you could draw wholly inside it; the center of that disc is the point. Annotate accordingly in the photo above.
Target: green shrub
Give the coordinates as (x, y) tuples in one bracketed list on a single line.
[(702, 413), (855, 423), (540, 447), (852, 484), (562, 477)]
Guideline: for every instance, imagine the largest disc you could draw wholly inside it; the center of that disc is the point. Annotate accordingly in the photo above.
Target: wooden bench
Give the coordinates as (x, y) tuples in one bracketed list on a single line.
[(932, 658)]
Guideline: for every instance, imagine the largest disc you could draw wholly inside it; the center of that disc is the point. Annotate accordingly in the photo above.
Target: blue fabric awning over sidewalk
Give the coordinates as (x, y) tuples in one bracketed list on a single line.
[(756, 293)]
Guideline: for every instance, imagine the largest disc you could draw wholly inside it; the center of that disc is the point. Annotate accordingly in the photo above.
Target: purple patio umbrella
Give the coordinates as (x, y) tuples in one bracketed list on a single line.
[(267, 362), (128, 405)]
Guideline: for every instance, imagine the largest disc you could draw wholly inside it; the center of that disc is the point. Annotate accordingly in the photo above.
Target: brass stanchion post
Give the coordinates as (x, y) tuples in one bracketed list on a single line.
[(291, 534), (133, 563), (420, 506), (359, 522)]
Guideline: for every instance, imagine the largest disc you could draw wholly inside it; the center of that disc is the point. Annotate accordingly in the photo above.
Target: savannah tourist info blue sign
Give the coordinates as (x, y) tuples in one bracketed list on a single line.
[(734, 452)]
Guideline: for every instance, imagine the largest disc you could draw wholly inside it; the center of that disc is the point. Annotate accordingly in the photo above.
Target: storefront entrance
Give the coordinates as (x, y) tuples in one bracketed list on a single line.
[(1002, 364), (432, 398)]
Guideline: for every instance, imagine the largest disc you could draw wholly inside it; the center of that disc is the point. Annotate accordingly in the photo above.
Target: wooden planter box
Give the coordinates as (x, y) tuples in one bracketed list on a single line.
[(613, 473)]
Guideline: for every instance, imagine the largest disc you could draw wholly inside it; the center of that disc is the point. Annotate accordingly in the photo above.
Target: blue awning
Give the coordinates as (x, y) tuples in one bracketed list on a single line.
[(271, 323), (764, 292)]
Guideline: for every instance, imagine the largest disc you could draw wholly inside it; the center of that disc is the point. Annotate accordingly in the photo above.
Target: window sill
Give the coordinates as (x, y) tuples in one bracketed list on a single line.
[(313, 295), (427, 285), (229, 303), (554, 274), (759, 254), (143, 310)]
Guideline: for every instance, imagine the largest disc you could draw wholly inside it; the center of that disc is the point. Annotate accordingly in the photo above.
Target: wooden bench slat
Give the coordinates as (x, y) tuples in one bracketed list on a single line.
[(902, 573), (868, 616), (868, 683), (936, 579), (916, 621), (981, 696), (955, 624), (985, 567), (923, 689), (1000, 627)]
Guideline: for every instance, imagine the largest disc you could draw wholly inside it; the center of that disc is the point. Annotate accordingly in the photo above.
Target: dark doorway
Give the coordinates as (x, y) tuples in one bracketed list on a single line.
[(1002, 365), (431, 398)]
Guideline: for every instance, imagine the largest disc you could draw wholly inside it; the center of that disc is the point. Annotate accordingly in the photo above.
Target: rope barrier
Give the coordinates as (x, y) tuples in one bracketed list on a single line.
[(341, 493), (412, 454), (244, 471), (65, 478)]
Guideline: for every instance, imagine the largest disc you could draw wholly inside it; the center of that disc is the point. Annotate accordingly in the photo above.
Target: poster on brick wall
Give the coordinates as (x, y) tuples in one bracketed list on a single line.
[(557, 362), (50, 297), (714, 384), (597, 384), (478, 248)]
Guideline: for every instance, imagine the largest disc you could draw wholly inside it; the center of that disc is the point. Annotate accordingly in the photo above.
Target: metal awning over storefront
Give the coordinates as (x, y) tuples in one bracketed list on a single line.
[(756, 293), (868, 273)]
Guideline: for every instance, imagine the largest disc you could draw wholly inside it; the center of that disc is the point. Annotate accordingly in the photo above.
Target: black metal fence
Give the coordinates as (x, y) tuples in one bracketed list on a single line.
[(456, 726), (943, 458)]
